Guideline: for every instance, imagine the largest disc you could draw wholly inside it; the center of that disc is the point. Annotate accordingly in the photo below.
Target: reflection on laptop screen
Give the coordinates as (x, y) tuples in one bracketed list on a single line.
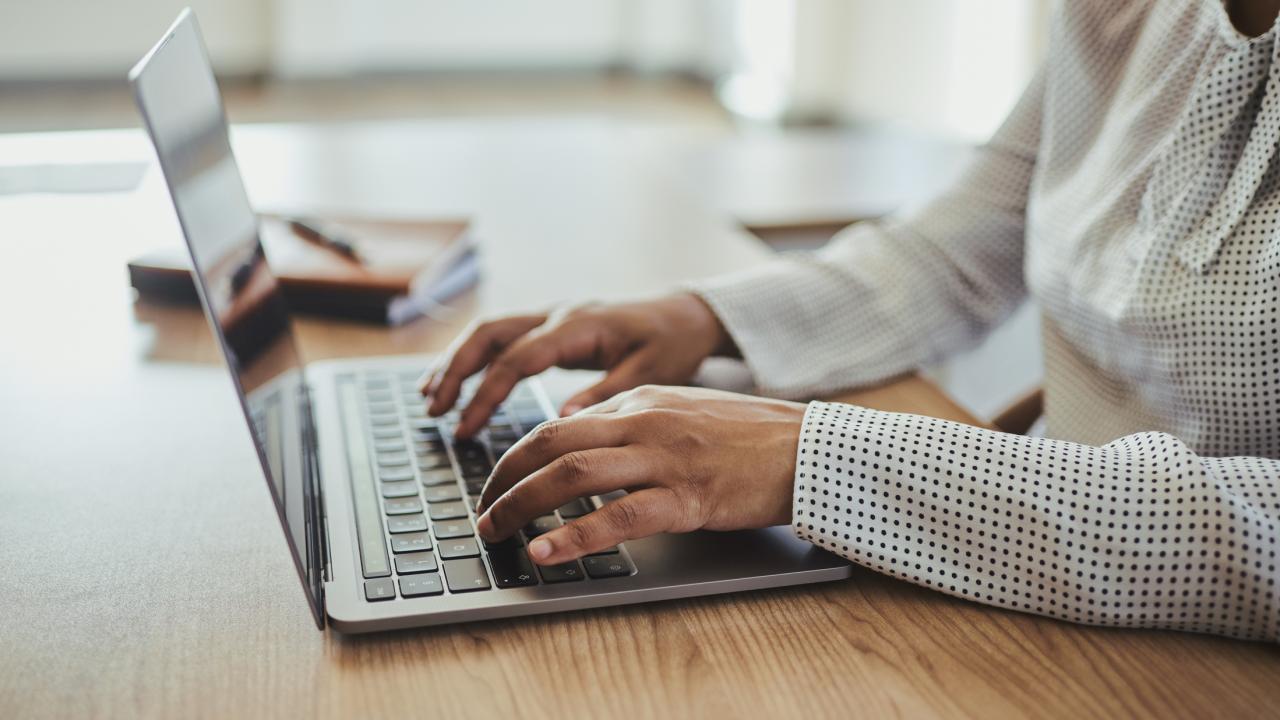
[(179, 99)]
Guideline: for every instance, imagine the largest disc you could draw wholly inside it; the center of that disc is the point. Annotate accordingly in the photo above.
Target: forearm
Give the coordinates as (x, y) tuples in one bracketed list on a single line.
[(1140, 532), (885, 297)]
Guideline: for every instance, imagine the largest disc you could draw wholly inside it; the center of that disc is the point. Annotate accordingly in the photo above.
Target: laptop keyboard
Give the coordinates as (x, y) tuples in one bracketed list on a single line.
[(415, 489)]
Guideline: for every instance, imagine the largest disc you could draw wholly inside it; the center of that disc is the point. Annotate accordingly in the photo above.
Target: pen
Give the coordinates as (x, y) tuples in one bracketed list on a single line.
[(307, 230)]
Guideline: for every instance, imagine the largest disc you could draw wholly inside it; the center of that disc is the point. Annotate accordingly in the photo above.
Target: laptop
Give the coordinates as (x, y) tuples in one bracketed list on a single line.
[(377, 500)]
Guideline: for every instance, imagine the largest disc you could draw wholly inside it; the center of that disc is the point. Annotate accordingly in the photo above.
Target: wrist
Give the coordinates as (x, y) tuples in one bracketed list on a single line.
[(706, 325)]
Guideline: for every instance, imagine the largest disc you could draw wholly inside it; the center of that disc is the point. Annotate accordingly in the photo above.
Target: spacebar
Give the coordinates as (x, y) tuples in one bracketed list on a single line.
[(364, 493)]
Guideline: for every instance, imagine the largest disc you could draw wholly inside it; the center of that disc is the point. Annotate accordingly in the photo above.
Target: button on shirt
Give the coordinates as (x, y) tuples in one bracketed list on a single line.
[(1134, 194)]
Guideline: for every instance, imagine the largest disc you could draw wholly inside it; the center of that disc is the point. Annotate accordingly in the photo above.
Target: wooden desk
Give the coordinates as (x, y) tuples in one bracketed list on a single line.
[(144, 573)]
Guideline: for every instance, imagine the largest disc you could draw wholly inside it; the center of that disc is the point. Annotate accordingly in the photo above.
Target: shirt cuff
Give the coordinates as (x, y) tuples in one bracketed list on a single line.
[(810, 498)]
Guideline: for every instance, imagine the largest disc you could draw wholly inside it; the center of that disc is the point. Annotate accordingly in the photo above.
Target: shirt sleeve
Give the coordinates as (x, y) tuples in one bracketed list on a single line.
[(885, 297), (1140, 532)]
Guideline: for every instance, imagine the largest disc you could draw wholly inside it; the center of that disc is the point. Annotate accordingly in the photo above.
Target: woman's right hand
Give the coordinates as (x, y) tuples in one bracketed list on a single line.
[(657, 342)]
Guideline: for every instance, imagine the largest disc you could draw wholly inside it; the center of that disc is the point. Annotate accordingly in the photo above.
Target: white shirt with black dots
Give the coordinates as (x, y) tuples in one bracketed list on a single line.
[(1134, 193)]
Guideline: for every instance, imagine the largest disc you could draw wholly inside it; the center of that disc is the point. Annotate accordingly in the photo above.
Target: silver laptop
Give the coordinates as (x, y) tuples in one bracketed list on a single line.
[(376, 499)]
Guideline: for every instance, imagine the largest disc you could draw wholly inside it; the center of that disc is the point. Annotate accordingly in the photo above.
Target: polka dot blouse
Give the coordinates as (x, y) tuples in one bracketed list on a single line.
[(1134, 193)]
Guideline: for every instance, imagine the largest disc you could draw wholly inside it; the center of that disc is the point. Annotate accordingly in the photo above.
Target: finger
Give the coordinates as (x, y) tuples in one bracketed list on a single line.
[(633, 371), (525, 357), (632, 516), (475, 351), (577, 474), (427, 383), (549, 441)]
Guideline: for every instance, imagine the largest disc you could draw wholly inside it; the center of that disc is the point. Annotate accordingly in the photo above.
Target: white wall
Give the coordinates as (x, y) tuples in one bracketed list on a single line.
[(42, 39), (948, 66), (953, 67), (345, 36)]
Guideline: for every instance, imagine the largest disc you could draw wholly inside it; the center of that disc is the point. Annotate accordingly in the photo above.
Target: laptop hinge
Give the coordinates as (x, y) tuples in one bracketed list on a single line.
[(317, 518)]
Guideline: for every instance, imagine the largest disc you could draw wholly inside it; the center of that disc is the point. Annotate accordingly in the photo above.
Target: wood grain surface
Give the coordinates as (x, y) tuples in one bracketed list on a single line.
[(144, 573)]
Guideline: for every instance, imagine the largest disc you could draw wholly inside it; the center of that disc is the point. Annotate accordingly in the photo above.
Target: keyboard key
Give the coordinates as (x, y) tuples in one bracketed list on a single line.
[(402, 506), (512, 568), (606, 566), (530, 419), (458, 548), (475, 485), (465, 575), (566, 572), (384, 420), (512, 543), (501, 447), (607, 551), (415, 410), (426, 428), (442, 493), (447, 529), (394, 445), (475, 468), (502, 432), (418, 562), (379, 395), (410, 542), (446, 511), (406, 523), (382, 408), (370, 536), (387, 433), (405, 489), (392, 460), (433, 461), (395, 474), (419, 585), (541, 524), (438, 477), (575, 508), (469, 450), (427, 445), (380, 589), (473, 502)]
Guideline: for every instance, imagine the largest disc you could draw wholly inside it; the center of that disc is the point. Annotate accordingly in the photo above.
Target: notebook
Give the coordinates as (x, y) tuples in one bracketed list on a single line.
[(406, 268)]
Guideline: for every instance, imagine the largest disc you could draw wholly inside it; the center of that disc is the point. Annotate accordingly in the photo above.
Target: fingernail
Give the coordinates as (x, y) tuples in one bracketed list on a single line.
[(540, 549), (484, 526), (571, 409)]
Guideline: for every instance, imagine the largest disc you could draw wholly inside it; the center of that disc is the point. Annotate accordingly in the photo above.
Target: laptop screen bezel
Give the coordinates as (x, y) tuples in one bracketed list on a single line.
[(185, 29)]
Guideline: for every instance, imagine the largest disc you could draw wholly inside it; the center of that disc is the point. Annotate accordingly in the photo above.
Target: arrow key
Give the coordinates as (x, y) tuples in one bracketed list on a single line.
[(512, 567)]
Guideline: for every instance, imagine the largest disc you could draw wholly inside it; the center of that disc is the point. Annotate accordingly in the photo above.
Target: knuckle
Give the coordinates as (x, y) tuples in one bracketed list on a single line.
[(507, 507), (648, 394), (579, 533), (546, 434), (626, 516), (692, 506), (505, 363), (574, 467)]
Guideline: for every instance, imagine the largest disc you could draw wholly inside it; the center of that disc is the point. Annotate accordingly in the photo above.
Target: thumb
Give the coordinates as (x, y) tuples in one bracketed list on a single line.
[(634, 370)]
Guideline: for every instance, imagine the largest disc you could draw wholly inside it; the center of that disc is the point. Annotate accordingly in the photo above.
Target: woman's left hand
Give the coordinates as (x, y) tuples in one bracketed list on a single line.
[(691, 459)]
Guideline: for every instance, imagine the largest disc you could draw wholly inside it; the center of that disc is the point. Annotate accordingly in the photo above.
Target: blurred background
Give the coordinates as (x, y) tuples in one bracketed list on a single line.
[(941, 71), (951, 67)]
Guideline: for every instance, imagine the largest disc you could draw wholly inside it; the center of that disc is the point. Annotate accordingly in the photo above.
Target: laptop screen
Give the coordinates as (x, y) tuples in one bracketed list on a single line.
[(179, 100)]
